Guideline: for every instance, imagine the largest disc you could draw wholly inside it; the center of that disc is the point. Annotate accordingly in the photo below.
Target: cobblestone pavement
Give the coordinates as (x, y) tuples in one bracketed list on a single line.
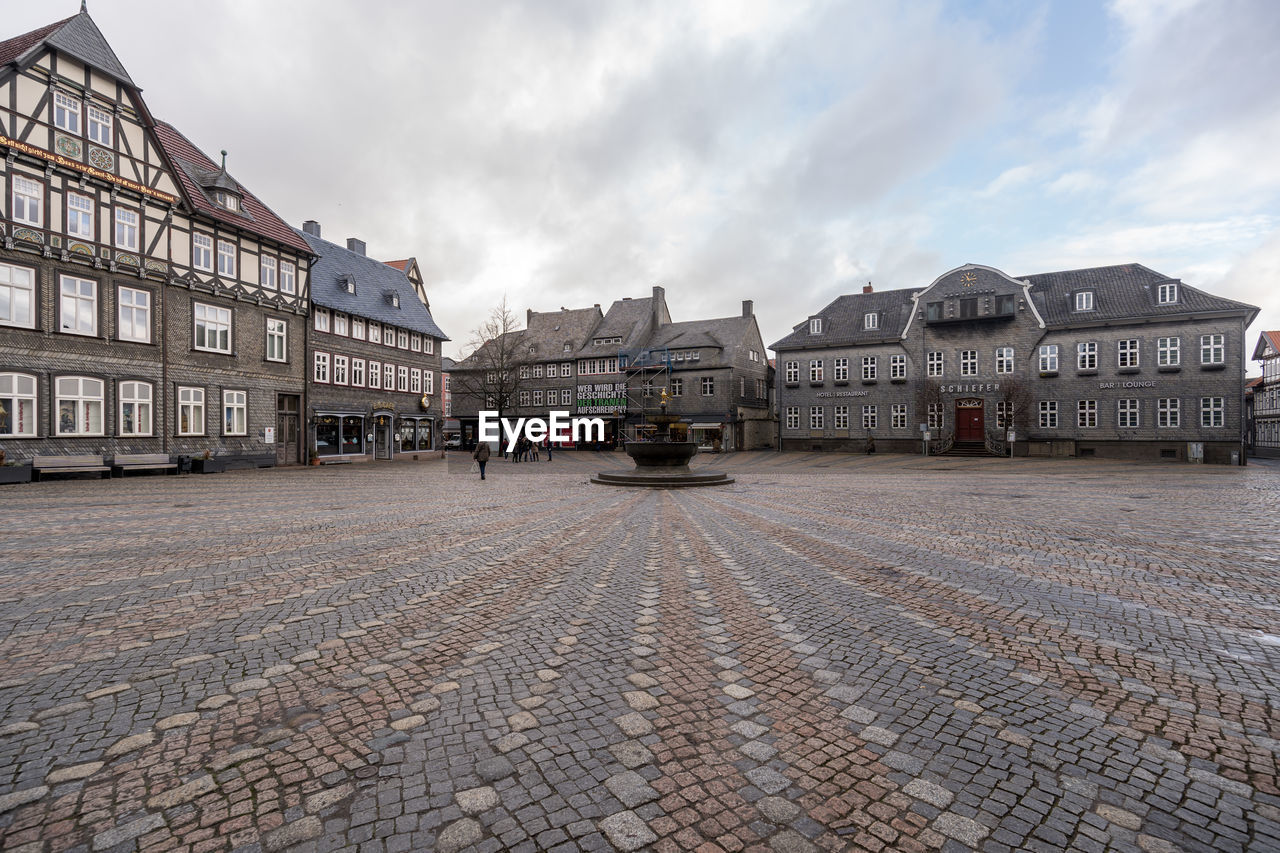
[(837, 652)]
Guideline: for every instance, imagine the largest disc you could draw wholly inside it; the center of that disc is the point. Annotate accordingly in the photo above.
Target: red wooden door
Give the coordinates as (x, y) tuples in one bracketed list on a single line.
[(969, 426)]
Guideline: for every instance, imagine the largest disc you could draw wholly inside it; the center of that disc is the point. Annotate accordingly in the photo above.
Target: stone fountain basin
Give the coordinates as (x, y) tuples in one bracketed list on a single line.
[(661, 454)]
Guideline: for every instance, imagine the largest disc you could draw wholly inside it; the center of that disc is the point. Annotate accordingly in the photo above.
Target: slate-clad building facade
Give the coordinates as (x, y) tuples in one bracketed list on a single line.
[(149, 302), (1111, 361), (1266, 397), (374, 383)]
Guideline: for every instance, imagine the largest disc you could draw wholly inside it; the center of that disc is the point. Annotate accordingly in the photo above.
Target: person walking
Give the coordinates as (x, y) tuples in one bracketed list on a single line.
[(533, 451), (549, 446), (481, 456)]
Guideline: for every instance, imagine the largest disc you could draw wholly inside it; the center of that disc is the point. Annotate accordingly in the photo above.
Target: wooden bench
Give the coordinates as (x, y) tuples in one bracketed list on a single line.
[(141, 462), (41, 465)]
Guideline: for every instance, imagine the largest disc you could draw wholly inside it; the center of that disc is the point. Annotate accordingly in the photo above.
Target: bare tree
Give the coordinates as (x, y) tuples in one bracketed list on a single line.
[(1016, 395), (930, 394), (489, 377)]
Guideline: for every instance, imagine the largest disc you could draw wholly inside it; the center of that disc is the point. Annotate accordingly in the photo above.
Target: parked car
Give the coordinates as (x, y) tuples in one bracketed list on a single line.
[(453, 442)]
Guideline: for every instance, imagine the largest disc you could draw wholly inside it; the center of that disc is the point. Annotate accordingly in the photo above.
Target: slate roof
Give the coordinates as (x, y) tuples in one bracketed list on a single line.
[(628, 319), (76, 36), (1121, 292), (548, 331), (191, 168), (725, 334), (842, 321), (374, 280)]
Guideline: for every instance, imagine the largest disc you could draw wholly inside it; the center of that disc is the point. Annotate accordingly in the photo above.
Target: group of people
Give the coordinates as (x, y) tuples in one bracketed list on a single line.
[(527, 451)]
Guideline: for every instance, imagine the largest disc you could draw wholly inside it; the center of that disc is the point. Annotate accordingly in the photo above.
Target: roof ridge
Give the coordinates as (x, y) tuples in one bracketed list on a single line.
[(26, 41)]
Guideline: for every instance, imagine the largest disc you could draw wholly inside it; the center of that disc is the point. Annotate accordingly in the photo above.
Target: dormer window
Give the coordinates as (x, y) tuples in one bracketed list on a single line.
[(871, 321), (815, 326), (1084, 300), (1168, 294), (567, 348), (227, 201), (348, 283)]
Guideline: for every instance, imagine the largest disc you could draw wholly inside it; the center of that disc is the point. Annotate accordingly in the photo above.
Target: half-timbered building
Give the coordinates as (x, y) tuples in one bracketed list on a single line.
[(148, 301)]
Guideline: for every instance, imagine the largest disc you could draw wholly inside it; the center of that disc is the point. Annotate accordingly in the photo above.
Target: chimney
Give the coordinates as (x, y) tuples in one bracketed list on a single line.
[(658, 311), (312, 227), (867, 288), (354, 245), (528, 317), (748, 308)]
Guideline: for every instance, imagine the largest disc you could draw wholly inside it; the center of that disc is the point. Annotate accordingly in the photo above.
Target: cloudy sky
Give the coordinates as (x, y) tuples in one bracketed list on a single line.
[(567, 153)]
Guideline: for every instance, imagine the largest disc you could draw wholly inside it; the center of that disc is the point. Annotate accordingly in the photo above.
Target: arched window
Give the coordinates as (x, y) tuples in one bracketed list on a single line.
[(79, 402), (135, 408), (17, 405)]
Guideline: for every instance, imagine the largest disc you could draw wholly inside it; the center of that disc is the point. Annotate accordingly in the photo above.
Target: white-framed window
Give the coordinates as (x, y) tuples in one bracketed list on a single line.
[(537, 371), (897, 367), (815, 326), (190, 411), (677, 385), (79, 216), (566, 368), (537, 398), (869, 367), (1212, 349), (1003, 410), (17, 405), (388, 336), (79, 403), (1048, 414), (1127, 413), (375, 374), (340, 323), (936, 363), (429, 382), (17, 296), (226, 259), (793, 417), (321, 319), (817, 415), (402, 378), (134, 313), (78, 308), (524, 371), (267, 272), (869, 417), (1127, 353), (566, 397), (793, 371), (1087, 355), (1168, 412), (871, 320), (375, 332), (277, 339), (235, 409), (357, 328), (415, 380), (840, 416), (202, 252), (524, 398), (898, 416), (357, 372), (27, 201), (708, 386), (1087, 414), (402, 339), (126, 229), (66, 112), (935, 419), (840, 369), (1004, 359), (1167, 293), (320, 368), (340, 369), (288, 277), (212, 328), (100, 122), (429, 347), (969, 362), (1084, 300), (1168, 352), (1211, 412), (389, 376), (815, 370), (1049, 358), (415, 342)]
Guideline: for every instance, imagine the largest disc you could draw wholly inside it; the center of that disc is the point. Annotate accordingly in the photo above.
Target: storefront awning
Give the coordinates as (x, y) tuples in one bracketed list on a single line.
[(704, 426)]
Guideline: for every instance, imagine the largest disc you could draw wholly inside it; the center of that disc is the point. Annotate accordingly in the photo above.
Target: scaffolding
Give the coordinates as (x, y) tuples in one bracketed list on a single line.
[(646, 372)]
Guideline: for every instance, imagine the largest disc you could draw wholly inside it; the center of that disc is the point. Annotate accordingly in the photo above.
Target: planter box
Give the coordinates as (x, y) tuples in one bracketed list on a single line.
[(15, 473), (212, 465)]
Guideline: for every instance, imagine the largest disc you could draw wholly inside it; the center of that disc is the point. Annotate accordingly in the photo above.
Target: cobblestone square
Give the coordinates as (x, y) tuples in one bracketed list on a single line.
[(837, 652)]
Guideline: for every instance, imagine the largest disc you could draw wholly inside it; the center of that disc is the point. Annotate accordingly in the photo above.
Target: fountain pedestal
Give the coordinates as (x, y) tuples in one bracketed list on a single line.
[(662, 463)]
